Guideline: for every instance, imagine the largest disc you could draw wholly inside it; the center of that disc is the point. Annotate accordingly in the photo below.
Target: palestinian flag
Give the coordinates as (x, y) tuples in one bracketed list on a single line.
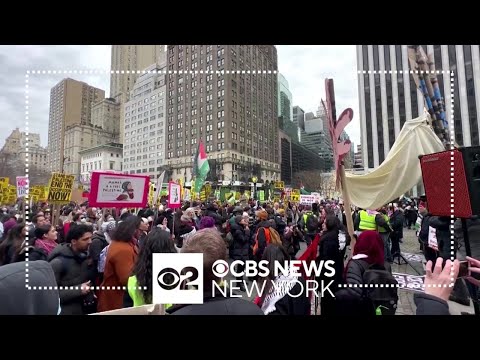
[(201, 167)]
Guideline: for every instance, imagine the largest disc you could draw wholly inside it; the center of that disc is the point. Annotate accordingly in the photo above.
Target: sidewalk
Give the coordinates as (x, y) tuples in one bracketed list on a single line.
[(406, 304)]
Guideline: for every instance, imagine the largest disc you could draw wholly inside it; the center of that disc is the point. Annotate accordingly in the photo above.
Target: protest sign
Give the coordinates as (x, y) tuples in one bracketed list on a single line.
[(4, 182), (22, 186), (307, 199), (174, 195), (61, 186), (279, 185), (118, 190)]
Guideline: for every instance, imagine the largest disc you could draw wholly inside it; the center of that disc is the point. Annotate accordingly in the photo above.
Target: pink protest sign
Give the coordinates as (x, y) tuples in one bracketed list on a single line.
[(118, 190)]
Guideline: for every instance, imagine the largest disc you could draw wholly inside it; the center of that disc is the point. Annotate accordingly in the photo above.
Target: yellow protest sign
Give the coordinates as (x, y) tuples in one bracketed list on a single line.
[(35, 193), (151, 193), (279, 185), (294, 197), (60, 188), (296, 192), (4, 181), (44, 193)]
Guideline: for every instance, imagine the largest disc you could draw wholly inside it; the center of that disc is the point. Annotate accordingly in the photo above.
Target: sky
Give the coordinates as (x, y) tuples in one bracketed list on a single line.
[(304, 66)]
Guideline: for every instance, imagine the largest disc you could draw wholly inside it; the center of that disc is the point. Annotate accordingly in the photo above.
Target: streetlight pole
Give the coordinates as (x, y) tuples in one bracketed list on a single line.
[(254, 180)]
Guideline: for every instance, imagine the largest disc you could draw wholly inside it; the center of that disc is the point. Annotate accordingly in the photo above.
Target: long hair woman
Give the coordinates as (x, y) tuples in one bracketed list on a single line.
[(121, 257), (11, 246), (140, 283)]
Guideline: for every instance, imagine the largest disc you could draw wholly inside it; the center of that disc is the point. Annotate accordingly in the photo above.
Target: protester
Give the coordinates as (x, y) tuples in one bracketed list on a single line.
[(282, 294), (368, 254), (241, 245), (140, 283), (74, 271), (46, 238), (120, 259), (17, 299), (11, 246), (211, 245)]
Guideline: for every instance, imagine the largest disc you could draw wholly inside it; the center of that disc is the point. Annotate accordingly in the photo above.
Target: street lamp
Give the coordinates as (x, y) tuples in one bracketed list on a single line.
[(254, 180)]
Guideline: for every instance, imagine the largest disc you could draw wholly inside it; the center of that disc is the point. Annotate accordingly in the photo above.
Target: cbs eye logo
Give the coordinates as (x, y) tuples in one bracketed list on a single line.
[(220, 268), (171, 279)]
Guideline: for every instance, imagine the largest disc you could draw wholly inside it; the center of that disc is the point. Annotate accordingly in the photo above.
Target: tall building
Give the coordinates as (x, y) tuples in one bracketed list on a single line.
[(71, 103), (145, 125), (387, 100), (299, 117), (106, 116), (16, 145), (103, 157), (295, 157), (82, 137), (316, 137), (130, 60), (235, 115), (285, 108), (17, 141), (358, 162)]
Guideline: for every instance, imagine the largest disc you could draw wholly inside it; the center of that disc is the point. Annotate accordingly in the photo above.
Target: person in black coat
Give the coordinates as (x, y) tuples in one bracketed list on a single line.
[(212, 211), (289, 295), (241, 244), (329, 249), (74, 271), (396, 223)]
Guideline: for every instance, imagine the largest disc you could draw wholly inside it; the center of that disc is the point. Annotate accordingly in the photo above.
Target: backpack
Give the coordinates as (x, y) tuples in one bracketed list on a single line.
[(312, 223), (379, 300), (271, 236), (102, 259)]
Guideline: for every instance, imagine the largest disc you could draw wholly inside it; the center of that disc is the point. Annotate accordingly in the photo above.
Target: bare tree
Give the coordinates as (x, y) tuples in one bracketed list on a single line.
[(11, 166), (312, 180)]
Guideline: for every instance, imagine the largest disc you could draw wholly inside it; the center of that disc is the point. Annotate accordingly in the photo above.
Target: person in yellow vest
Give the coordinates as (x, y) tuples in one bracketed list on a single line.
[(370, 220), (140, 283), (376, 220)]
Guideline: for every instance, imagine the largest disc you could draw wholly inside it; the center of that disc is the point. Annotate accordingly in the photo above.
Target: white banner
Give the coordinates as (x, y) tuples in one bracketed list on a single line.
[(307, 199)]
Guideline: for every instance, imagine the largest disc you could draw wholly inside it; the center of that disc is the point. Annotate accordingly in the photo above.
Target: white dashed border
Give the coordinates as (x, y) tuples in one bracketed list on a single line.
[(177, 72), (452, 174), (106, 72), (222, 72)]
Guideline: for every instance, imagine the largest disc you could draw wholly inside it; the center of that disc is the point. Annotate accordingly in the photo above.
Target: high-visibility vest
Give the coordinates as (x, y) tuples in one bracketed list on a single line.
[(381, 228), (136, 294), (305, 217), (367, 222)]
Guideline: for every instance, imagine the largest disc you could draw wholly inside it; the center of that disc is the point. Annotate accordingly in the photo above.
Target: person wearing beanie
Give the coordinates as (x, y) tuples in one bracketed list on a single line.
[(262, 225), (206, 222)]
